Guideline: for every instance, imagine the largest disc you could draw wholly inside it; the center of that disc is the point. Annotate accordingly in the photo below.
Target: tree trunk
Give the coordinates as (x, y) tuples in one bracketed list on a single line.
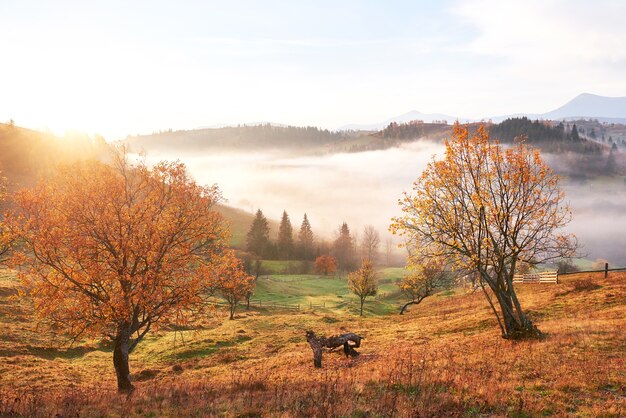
[(406, 305), (362, 301), (120, 358), (318, 343), (516, 324), (232, 311)]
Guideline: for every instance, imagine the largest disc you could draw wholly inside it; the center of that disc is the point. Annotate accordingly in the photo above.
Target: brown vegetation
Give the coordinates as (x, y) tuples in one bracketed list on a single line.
[(260, 365)]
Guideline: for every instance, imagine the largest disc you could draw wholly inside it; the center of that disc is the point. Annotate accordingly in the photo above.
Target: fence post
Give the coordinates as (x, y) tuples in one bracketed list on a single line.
[(606, 270)]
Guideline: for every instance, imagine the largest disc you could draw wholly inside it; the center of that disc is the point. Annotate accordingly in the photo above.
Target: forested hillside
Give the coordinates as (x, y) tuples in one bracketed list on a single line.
[(240, 137)]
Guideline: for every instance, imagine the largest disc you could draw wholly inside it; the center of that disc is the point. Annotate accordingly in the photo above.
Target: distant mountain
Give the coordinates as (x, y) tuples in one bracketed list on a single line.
[(583, 106), (406, 117), (591, 106)]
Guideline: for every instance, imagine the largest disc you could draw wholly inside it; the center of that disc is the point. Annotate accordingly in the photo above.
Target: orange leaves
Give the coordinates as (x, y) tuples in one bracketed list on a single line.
[(482, 201), (326, 264), (231, 280), (124, 243), (363, 282)]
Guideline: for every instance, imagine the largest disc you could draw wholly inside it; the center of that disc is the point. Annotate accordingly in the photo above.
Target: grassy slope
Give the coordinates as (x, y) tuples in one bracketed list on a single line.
[(444, 358)]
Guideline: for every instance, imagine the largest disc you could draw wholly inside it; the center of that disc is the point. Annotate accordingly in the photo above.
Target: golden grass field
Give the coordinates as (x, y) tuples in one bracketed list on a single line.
[(444, 358)]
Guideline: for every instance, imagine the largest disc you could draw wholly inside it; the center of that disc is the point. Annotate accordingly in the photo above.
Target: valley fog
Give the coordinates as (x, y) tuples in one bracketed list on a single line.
[(363, 188)]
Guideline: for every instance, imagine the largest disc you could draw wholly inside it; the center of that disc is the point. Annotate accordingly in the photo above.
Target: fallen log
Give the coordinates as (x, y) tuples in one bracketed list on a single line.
[(349, 341)]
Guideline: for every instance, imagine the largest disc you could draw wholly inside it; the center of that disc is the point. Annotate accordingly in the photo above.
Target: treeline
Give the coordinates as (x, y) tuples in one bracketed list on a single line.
[(302, 244), (545, 134), (256, 136), (413, 129)]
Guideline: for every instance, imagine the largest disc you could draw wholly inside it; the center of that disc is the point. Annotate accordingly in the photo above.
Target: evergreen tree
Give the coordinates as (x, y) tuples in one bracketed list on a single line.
[(259, 235), (344, 249), (306, 240), (611, 165), (575, 136), (285, 238)]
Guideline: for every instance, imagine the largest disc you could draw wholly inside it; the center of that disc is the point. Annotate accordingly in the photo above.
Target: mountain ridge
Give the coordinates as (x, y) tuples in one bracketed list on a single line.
[(609, 109)]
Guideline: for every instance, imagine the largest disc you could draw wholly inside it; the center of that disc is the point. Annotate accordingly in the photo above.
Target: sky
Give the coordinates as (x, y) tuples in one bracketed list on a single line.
[(117, 68)]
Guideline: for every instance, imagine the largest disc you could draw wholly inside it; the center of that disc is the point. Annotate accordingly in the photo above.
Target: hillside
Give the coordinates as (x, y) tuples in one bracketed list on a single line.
[(443, 358), (240, 222), (254, 137), (26, 154)]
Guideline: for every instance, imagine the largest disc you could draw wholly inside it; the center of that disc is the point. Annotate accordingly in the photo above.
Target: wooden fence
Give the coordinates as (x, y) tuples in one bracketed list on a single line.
[(543, 277)]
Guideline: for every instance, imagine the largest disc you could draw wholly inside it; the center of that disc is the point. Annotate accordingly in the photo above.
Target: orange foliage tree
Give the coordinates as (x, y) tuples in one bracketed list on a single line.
[(487, 208), (232, 281), (326, 264), (363, 282), (116, 250)]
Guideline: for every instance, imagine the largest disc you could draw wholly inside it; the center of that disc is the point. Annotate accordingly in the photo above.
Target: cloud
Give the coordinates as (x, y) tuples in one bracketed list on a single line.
[(571, 41)]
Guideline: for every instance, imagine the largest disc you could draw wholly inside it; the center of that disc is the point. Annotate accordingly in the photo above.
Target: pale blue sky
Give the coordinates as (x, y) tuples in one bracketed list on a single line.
[(119, 67)]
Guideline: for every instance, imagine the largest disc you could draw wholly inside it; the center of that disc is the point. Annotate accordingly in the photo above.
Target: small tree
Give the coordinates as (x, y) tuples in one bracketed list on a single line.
[(370, 243), (566, 265), (599, 264), (117, 250), (425, 279), (363, 282), (325, 264), (486, 208), (232, 281)]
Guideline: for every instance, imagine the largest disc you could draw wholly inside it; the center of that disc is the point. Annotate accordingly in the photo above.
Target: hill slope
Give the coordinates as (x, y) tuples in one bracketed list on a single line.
[(444, 358), (26, 154), (255, 137)]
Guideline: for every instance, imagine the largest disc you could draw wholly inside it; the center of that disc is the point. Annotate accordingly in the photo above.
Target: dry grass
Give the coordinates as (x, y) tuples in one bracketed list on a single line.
[(444, 358)]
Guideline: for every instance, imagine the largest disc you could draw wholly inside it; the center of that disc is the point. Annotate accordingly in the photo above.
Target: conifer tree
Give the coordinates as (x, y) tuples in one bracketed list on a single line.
[(285, 238), (259, 235), (343, 248), (306, 239)]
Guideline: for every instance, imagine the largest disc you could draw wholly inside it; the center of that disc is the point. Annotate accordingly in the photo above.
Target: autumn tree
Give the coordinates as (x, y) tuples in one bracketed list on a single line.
[(423, 281), (306, 240), (232, 281), (253, 266), (326, 264), (370, 242), (486, 208), (6, 238), (343, 248), (285, 238), (117, 250), (258, 238), (363, 282)]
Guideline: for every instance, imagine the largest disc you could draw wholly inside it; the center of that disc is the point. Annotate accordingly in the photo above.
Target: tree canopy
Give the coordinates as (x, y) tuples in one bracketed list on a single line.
[(485, 208), (117, 250), (363, 282)]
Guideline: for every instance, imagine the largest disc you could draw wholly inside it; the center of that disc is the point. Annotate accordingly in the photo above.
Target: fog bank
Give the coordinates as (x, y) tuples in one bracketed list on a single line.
[(363, 188)]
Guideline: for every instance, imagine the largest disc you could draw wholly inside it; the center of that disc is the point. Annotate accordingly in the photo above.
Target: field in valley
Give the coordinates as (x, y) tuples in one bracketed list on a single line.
[(445, 357)]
